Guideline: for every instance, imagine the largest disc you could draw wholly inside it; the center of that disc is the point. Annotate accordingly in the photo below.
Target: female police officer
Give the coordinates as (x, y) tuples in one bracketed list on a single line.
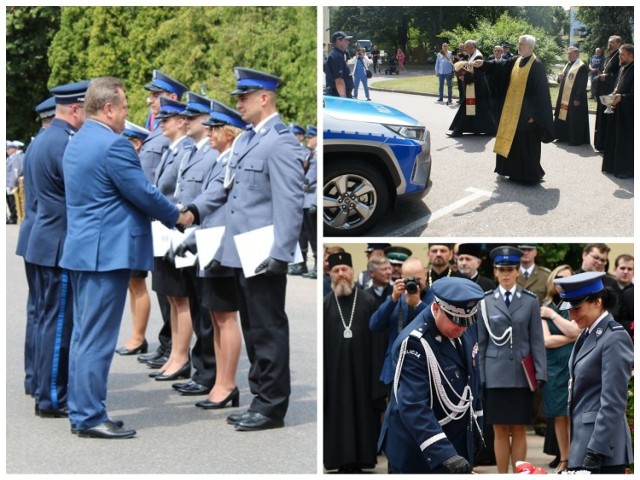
[(600, 367)]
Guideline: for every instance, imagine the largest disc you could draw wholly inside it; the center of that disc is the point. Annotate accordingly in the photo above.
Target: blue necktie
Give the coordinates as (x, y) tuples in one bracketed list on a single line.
[(507, 298)]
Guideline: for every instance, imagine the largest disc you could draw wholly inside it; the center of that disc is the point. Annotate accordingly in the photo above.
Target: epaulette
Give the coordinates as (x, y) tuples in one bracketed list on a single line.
[(544, 269), (529, 292), (489, 292), (281, 128), (615, 326), (418, 332)]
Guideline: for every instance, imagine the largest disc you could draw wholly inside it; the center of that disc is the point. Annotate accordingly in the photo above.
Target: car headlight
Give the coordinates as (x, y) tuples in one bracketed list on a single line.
[(413, 133)]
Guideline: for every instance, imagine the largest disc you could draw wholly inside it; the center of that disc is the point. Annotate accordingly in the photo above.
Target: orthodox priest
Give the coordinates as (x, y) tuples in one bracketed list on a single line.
[(351, 409), (606, 82), (618, 152), (571, 123), (526, 119), (475, 114)]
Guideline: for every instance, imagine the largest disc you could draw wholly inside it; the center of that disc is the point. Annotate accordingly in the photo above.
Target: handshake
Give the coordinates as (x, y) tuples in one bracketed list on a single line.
[(186, 218)]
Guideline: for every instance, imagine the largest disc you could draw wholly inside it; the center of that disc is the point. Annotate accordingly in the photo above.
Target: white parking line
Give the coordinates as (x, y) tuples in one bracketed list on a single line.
[(475, 194)]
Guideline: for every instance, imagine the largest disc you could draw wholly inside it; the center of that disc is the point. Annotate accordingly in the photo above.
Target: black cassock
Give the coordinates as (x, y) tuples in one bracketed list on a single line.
[(523, 163), (618, 151), (483, 121), (350, 406), (575, 128), (605, 87)]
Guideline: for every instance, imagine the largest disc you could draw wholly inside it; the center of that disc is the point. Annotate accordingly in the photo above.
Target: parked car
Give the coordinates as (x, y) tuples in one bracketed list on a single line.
[(374, 155)]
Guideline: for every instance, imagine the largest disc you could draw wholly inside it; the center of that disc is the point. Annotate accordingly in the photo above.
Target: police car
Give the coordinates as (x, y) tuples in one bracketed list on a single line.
[(374, 155)]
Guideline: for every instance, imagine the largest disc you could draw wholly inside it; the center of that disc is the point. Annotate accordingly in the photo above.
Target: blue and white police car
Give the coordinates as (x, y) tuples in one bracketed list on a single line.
[(374, 155)]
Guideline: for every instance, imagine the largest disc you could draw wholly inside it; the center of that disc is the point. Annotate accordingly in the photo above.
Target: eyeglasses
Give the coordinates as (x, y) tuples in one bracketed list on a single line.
[(597, 258)]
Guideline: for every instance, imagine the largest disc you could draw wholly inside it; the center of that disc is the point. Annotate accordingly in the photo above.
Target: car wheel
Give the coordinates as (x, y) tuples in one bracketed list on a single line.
[(355, 197)]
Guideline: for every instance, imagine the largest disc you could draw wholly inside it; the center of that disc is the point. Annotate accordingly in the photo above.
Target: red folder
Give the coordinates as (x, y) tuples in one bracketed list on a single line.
[(530, 372)]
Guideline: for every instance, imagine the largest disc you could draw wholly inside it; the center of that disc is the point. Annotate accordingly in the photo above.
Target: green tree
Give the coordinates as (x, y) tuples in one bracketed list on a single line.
[(602, 22), (506, 28), (29, 32)]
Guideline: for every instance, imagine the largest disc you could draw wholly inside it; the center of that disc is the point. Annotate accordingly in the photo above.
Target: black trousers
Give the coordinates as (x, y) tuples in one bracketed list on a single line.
[(203, 357), (265, 328), (164, 336), (309, 224), (11, 205)]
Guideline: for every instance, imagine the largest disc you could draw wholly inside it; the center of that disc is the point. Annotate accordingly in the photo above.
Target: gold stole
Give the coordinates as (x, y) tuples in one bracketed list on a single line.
[(512, 107), (568, 86)]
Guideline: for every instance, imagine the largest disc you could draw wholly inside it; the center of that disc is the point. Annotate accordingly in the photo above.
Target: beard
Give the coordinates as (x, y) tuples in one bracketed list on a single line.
[(343, 288)]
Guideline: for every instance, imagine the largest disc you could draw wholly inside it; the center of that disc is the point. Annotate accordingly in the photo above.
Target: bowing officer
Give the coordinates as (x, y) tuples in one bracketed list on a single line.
[(265, 181), (161, 85), (46, 182), (600, 366), (434, 419)]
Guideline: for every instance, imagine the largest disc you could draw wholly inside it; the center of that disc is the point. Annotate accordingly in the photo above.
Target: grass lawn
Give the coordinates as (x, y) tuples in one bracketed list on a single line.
[(428, 84)]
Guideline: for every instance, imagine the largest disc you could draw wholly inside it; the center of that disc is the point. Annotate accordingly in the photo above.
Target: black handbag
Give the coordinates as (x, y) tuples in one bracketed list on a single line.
[(369, 74)]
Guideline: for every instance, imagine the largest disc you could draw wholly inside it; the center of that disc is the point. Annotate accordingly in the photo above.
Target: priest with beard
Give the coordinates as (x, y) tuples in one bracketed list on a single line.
[(618, 151), (572, 111), (526, 118), (468, 260), (351, 405)]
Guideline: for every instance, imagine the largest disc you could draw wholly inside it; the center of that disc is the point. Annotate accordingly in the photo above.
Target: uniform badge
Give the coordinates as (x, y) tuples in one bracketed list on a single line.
[(598, 332), (474, 354), (438, 338)]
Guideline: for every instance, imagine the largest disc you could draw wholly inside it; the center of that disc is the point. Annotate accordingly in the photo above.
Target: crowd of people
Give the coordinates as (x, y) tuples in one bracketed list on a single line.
[(441, 368), (92, 182)]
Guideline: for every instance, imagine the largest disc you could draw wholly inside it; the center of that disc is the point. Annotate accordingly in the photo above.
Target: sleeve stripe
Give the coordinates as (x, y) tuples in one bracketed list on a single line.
[(432, 440)]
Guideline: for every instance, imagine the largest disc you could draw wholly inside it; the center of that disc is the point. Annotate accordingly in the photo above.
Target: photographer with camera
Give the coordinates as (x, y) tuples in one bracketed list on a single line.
[(400, 308)]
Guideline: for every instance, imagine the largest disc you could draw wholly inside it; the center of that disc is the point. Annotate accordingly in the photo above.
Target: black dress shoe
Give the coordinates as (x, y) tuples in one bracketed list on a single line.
[(184, 372), (179, 385), (142, 348), (313, 273), (149, 356), (194, 389), (297, 268), (119, 423), (234, 418), (106, 429), (255, 421), (158, 362), (52, 413), (233, 397)]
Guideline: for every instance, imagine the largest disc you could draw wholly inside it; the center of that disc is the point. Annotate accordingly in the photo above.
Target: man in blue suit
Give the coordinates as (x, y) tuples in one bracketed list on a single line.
[(46, 188), (109, 204), (265, 180), (434, 418)]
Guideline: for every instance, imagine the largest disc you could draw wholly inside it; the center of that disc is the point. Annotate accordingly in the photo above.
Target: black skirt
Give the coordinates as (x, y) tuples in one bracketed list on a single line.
[(508, 406), (169, 280), (219, 294)]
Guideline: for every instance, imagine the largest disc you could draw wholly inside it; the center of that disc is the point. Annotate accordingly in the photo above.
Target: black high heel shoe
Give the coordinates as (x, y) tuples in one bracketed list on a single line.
[(233, 397), (142, 348), (184, 372)]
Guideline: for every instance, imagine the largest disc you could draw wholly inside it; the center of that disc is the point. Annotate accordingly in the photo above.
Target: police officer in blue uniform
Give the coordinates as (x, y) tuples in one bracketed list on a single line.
[(167, 279), (310, 198), (265, 181), (434, 419), (161, 85), (337, 74), (600, 366), (300, 268), (218, 290), (46, 182), (510, 329), (46, 110), (191, 175)]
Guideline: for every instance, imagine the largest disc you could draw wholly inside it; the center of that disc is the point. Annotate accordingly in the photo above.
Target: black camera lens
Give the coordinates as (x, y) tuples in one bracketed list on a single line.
[(411, 285)]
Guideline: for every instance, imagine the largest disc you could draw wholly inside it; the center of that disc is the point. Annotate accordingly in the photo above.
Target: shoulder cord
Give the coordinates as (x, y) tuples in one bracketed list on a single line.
[(452, 411), (504, 338)]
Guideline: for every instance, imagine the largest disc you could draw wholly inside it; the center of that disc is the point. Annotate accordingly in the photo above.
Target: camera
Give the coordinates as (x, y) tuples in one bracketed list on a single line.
[(411, 285)]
